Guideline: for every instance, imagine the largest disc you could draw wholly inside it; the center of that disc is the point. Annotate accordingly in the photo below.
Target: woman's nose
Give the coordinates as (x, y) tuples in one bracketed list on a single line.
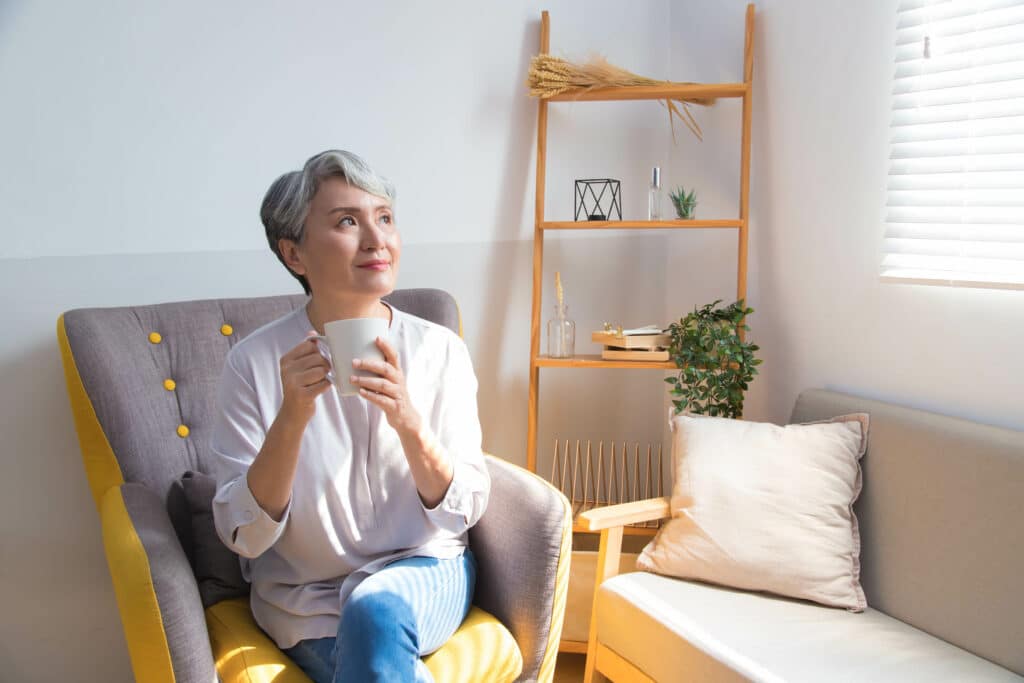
[(373, 238)]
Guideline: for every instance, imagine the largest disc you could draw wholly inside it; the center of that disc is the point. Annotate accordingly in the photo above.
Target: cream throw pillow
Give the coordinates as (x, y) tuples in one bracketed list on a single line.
[(766, 508)]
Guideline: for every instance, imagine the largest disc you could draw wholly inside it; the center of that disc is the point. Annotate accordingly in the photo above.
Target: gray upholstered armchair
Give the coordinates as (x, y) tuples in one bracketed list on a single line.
[(141, 382)]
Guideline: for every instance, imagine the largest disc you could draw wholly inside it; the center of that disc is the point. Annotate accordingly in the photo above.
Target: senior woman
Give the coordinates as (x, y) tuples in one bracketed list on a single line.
[(350, 513)]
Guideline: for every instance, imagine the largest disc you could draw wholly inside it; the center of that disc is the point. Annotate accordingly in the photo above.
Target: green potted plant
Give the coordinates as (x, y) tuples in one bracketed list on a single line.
[(715, 365), (685, 203)]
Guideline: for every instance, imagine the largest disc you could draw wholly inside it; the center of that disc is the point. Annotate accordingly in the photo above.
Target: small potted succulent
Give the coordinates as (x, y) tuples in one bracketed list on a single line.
[(685, 203), (715, 365)]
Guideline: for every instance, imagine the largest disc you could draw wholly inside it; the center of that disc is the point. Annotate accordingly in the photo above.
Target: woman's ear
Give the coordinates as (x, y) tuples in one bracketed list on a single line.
[(290, 253)]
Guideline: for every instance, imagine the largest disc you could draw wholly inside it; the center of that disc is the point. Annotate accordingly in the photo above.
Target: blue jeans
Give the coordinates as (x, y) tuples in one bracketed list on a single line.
[(406, 610)]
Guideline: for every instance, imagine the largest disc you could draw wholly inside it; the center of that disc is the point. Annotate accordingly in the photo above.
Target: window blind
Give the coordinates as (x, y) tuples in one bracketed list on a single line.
[(955, 193)]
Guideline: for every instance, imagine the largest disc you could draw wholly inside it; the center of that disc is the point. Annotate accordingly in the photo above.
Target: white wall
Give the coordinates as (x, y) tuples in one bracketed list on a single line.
[(823, 70), (136, 141), (823, 73)]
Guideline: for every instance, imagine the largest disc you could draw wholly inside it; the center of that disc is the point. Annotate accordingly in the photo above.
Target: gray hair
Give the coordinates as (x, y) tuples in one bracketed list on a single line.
[(286, 205)]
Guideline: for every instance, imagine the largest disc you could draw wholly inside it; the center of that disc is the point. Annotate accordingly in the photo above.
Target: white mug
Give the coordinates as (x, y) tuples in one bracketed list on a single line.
[(346, 340)]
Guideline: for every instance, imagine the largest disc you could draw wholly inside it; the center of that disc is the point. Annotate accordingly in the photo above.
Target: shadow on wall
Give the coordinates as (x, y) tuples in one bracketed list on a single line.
[(35, 413), (52, 541), (8, 13), (773, 390), (503, 273)]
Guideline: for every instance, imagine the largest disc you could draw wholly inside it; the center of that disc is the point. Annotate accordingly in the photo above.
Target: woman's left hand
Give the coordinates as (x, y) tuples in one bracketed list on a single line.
[(388, 390)]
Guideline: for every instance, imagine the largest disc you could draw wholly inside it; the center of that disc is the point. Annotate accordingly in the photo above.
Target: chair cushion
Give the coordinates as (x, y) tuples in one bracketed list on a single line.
[(242, 652), (481, 650), (676, 630), (217, 569)]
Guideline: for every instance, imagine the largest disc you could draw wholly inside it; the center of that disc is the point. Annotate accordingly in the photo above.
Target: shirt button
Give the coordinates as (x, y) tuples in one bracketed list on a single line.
[(154, 338), (226, 330), (182, 431), (249, 516), (169, 384)]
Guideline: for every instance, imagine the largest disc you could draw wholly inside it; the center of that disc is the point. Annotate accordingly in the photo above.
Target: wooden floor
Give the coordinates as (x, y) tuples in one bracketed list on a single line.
[(569, 668)]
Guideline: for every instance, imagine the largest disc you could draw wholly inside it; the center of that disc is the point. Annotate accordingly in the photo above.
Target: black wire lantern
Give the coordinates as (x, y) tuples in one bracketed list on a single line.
[(598, 199)]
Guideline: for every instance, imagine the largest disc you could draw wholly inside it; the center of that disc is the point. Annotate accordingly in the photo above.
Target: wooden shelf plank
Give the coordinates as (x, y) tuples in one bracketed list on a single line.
[(639, 225), (595, 361), (577, 528), (656, 92)]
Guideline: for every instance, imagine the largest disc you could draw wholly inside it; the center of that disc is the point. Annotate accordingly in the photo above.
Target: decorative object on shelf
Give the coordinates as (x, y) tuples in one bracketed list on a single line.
[(607, 477), (643, 343), (715, 365), (598, 199), (685, 203), (550, 76), (654, 196), (659, 355), (561, 330)]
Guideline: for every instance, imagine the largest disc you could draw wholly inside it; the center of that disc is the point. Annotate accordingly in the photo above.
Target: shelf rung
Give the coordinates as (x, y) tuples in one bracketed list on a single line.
[(595, 361), (655, 92), (639, 225), (573, 646), (626, 530)]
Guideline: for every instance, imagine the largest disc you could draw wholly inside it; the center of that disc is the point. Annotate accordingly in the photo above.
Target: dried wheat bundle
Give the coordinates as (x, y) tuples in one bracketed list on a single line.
[(550, 76)]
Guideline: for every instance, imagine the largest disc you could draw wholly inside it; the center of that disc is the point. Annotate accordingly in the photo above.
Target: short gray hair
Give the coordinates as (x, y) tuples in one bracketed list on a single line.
[(286, 205)]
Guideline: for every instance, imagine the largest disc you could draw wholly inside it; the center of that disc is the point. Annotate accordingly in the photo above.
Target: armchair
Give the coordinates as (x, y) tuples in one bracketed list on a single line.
[(141, 382)]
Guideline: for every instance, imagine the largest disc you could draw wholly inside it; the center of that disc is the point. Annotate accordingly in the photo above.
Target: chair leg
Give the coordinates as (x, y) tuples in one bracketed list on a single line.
[(608, 553)]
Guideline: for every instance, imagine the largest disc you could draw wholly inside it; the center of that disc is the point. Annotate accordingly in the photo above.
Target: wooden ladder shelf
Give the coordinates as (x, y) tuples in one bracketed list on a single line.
[(741, 90)]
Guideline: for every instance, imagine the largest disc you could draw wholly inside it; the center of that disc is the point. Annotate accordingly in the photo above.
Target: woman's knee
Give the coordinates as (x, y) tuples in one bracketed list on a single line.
[(377, 638), (377, 613)]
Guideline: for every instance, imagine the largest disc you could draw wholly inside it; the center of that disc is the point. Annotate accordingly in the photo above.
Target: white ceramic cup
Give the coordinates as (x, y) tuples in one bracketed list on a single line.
[(346, 340)]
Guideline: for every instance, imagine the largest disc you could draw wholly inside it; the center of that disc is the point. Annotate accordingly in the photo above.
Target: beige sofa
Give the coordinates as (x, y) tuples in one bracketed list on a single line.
[(942, 531)]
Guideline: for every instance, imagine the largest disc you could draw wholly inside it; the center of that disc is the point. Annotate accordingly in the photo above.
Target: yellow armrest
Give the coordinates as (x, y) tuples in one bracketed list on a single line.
[(136, 595), (610, 516)]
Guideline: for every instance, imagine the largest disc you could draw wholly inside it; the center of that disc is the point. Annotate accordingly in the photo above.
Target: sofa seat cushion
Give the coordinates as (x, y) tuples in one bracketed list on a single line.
[(482, 650), (676, 630)]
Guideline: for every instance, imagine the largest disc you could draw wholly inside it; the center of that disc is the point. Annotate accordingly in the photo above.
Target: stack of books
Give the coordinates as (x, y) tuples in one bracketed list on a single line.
[(643, 343)]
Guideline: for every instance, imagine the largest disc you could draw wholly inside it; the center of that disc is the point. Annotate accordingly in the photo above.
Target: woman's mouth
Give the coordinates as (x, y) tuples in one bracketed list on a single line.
[(375, 265)]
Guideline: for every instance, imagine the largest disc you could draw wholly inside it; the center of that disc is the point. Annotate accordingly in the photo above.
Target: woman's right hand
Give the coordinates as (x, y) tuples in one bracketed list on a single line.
[(272, 473), (304, 377)]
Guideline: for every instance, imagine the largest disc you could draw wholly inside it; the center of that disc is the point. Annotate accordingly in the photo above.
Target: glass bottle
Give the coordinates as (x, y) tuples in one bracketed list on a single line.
[(654, 196), (561, 333)]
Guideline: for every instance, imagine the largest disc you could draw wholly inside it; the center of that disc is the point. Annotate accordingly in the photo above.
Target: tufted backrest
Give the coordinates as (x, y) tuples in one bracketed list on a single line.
[(143, 378)]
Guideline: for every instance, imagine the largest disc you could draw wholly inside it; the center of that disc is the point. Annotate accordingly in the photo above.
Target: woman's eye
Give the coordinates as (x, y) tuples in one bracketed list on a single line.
[(347, 220), (386, 218)]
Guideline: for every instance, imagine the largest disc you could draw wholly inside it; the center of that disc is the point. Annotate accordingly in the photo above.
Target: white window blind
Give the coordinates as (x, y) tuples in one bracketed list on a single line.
[(955, 209)]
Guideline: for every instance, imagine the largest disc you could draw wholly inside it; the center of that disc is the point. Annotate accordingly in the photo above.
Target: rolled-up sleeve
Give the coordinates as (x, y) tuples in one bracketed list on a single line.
[(238, 435), (459, 434)]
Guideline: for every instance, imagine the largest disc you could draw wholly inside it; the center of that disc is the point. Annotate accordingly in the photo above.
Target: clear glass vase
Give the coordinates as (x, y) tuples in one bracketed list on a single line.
[(561, 334)]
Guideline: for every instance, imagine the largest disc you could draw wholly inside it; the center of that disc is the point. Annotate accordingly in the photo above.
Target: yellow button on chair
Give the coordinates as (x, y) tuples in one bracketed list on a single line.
[(143, 436)]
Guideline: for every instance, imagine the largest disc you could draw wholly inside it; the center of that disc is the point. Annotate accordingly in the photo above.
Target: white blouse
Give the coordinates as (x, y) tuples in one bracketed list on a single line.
[(354, 504)]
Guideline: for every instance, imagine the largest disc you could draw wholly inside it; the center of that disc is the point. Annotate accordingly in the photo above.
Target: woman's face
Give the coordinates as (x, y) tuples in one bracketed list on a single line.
[(351, 246)]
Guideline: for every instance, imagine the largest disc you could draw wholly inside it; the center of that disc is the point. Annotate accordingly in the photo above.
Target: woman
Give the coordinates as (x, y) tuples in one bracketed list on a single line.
[(350, 513)]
